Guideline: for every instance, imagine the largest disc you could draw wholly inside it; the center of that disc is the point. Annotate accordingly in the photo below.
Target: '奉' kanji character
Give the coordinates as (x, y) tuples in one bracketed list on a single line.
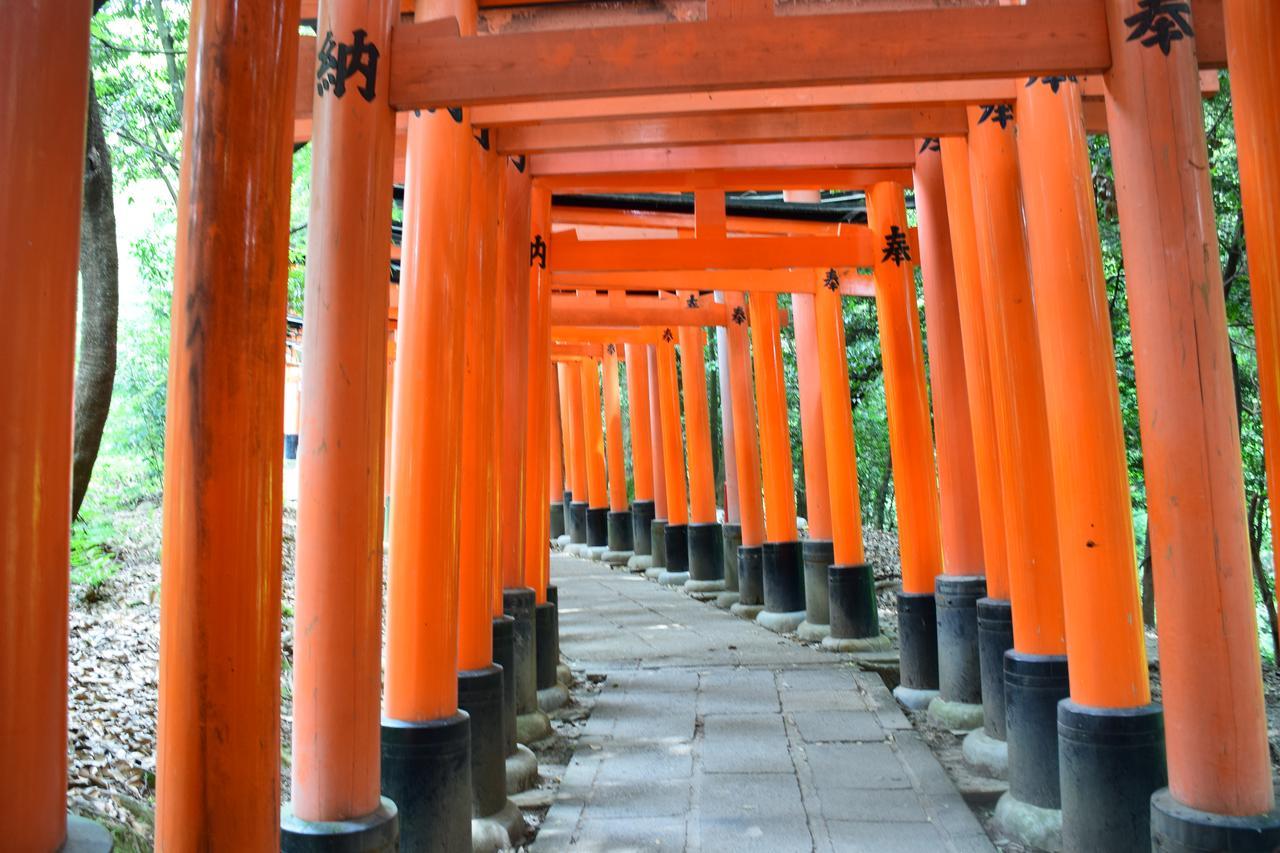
[(1160, 22), (896, 247)]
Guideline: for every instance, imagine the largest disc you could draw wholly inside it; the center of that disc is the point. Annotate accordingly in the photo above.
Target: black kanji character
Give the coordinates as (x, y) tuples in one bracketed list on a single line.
[(693, 300), (518, 162), (896, 248), (1001, 114), (739, 315), (611, 349), (358, 57), (1053, 82), (832, 280), (538, 252), (667, 336), (483, 138), (1160, 22), (930, 143)]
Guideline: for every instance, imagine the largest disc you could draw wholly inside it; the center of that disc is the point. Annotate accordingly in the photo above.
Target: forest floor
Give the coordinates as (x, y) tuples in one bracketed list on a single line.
[(114, 659)]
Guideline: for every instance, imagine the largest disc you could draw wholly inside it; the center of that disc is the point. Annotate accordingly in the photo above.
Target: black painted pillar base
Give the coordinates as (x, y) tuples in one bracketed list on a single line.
[(378, 832), (658, 547), (545, 632), (677, 544), (519, 603), (750, 582), (480, 696), (1033, 687), (504, 655), (731, 541), (641, 525), (557, 521), (995, 637), (783, 587), (426, 772), (918, 640), (706, 560), (817, 555), (598, 527), (959, 704), (851, 603), (1176, 828), (578, 523), (619, 536), (1110, 762)]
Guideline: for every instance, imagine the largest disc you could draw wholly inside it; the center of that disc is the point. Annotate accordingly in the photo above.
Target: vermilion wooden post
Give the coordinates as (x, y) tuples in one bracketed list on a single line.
[(555, 472), (1108, 729), (425, 740), (1252, 33), (850, 580), (782, 570), (1035, 671), (995, 619), (961, 584), (593, 440), (619, 532), (514, 309), (42, 160), (817, 551), (218, 758), (1215, 719), (731, 529), (642, 506), (337, 672), (658, 530), (706, 564), (750, 599), (571, 392), (676, 533)]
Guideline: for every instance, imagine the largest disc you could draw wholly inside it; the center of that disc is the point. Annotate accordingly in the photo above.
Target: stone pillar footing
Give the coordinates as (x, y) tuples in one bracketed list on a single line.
[(780, 623), (878, 643), (986, 755), (426, 772), (86, 836), (811, 632), (377, 832), (501, 830), (1176, 828), (658, 543), (1032, 826), (522, 769), (956, 716), (913, 699), (703, 590)]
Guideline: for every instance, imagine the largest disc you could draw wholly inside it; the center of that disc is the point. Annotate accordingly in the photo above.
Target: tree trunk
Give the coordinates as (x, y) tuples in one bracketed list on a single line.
[(99, 304), (882, 493), (1148, 585)]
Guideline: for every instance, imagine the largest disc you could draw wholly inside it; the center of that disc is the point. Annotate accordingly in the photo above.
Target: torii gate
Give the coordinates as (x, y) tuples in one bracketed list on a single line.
[(220, 602)]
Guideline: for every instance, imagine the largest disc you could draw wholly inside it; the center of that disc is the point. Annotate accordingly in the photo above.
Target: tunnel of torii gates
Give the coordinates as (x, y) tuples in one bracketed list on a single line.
[(1019, 607)]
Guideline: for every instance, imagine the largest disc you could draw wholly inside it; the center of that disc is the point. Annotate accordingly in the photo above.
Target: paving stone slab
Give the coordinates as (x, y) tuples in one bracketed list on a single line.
[(884, 837), (837, 726), (855, 765)]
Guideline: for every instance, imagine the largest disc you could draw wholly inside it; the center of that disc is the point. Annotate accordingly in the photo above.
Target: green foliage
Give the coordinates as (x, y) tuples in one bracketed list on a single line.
[(92, 561)]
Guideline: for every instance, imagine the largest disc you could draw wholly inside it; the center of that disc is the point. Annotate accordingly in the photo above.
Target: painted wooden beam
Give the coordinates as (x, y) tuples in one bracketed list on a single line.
[(704, 281)]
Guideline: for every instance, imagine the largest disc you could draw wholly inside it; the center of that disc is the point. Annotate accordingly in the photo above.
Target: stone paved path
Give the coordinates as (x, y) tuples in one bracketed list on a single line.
[(712, 734)]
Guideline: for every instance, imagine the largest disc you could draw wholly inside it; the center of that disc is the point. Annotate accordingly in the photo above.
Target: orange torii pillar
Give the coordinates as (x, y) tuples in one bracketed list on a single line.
[(642, 506), (522, 589), (984, 748), (556, 470), (910, 436), (1035, 670), (619, 532), (1109, 729), (749, 599), (218, 740), (593, 442), (706, 561), (781, 569), (676, 533), (731, 535), (1220, 791), (850, 579), (337, 671), (43, 167), (961, 585), (480, 681), (658, 529), (560, 378), (425, 737), (571, 386), (818, 551)]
